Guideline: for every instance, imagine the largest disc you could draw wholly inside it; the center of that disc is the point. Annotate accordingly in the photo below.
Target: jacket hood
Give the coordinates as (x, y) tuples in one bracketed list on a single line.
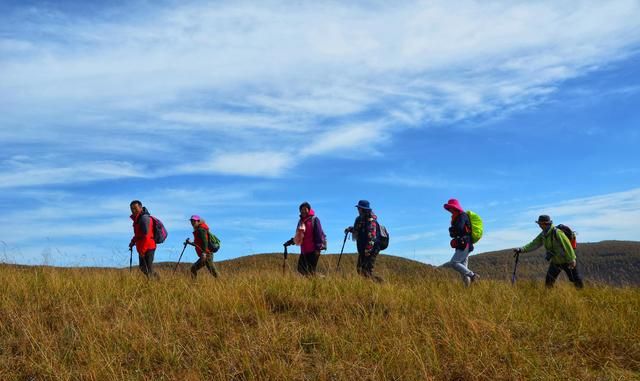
[(453, 205)]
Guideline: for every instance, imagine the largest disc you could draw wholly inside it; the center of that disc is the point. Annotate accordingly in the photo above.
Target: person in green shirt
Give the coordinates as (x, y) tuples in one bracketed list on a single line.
[(560, 253)]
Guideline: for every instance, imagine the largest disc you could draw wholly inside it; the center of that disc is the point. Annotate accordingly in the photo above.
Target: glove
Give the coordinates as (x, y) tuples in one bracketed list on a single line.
[(348, 230), (131, 244), (571, 265), (517, 251), (288, 243)]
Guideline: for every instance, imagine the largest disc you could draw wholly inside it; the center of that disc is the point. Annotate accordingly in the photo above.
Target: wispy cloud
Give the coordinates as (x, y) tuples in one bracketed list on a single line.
[(261, 74)]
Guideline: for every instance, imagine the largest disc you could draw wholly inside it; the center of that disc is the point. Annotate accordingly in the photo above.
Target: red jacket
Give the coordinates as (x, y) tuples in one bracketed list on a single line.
[(143, 232), (201, 239)]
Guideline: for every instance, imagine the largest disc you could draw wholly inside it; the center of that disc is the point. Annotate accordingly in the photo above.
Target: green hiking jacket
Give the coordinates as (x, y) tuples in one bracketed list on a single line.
[(555, 242)]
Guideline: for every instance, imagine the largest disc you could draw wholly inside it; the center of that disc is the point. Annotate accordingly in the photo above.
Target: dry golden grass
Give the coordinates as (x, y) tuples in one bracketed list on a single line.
[(61, 324)]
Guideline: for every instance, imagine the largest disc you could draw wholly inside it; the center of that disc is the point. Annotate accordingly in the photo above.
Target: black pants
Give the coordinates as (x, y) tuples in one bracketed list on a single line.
[(555, 270), (365, 266), (146, 263), (307, 263), (203, 261)]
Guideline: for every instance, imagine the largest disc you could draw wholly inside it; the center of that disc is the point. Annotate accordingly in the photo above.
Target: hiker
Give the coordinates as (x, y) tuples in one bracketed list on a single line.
[(460, 233), (560, 253), (203, 247), (311, 239), (143, 238), (365, 232)]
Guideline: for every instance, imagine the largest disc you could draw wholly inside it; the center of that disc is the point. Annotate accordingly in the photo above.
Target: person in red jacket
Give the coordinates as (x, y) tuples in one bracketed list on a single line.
[(202, 246), (143, 238)]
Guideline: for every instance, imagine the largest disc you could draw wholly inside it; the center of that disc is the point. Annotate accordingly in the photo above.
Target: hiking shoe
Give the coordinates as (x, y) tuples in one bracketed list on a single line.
[(475, 277)]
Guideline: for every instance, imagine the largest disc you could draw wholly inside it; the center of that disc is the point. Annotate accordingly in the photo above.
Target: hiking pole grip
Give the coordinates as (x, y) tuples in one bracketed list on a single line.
[(341, 250)]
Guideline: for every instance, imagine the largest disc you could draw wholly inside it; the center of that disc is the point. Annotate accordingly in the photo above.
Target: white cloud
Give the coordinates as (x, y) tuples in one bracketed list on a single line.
[(341, 139), (23, 173), (262, 74), (267, 164)]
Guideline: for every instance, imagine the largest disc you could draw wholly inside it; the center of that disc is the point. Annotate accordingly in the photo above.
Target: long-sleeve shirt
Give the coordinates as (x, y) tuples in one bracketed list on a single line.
[(555, 242), (365, 233)]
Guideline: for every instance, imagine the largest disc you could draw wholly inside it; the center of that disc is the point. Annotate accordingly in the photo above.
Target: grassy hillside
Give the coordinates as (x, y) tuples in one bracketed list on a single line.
[(87, 324), (611, 262)]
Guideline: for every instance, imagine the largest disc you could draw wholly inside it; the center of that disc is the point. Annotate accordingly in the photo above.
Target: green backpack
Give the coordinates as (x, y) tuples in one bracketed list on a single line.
[(214, 243), (476, 226)]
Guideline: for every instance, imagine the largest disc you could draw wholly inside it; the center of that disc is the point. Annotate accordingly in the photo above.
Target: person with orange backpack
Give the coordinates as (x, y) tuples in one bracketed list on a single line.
[(143, 237), (206, 244), (560, 251), (460, 232)]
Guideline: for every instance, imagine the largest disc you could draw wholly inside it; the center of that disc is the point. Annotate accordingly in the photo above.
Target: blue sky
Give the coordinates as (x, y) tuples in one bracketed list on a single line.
[(239, 111)]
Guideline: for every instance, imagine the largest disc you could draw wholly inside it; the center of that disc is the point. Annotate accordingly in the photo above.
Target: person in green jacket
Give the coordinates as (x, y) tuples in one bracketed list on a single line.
[(560, 253)]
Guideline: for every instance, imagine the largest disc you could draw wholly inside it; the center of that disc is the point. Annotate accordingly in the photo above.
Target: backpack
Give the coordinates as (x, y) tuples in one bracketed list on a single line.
[(476, 226), (324, 236), (570, 234), (214, 242), (159, 232), (383, 240)]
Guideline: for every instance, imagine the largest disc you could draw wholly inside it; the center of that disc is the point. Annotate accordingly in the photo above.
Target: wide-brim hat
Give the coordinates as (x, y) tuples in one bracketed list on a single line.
[(363, 204), (452, 205), (544, 219)]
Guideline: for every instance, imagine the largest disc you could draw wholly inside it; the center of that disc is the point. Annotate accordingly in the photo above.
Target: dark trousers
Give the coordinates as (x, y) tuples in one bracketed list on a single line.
[(365, 266), (146, 263), (206, 260), (555, 270), (307, 263)]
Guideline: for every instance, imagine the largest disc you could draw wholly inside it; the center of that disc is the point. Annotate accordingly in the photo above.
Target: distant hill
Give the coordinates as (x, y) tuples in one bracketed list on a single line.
[(611, 262)]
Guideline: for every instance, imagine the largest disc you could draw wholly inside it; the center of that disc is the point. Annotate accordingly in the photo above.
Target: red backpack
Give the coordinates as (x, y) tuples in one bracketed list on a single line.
[(159, 232)]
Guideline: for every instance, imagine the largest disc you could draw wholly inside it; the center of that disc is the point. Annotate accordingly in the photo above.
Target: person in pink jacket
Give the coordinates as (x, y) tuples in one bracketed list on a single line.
[(311, 239)]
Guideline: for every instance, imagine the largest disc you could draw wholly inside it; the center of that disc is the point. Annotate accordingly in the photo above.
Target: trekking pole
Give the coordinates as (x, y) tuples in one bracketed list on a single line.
[(130, 258), (179, 258), (284, 260), (513, 276), (341, 250)]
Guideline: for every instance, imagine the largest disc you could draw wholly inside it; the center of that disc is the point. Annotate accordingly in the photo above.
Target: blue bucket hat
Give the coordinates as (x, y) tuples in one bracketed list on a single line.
[(363, 204)]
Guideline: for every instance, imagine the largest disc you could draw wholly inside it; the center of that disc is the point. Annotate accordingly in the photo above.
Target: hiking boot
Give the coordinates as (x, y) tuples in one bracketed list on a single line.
[(475, 277)]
